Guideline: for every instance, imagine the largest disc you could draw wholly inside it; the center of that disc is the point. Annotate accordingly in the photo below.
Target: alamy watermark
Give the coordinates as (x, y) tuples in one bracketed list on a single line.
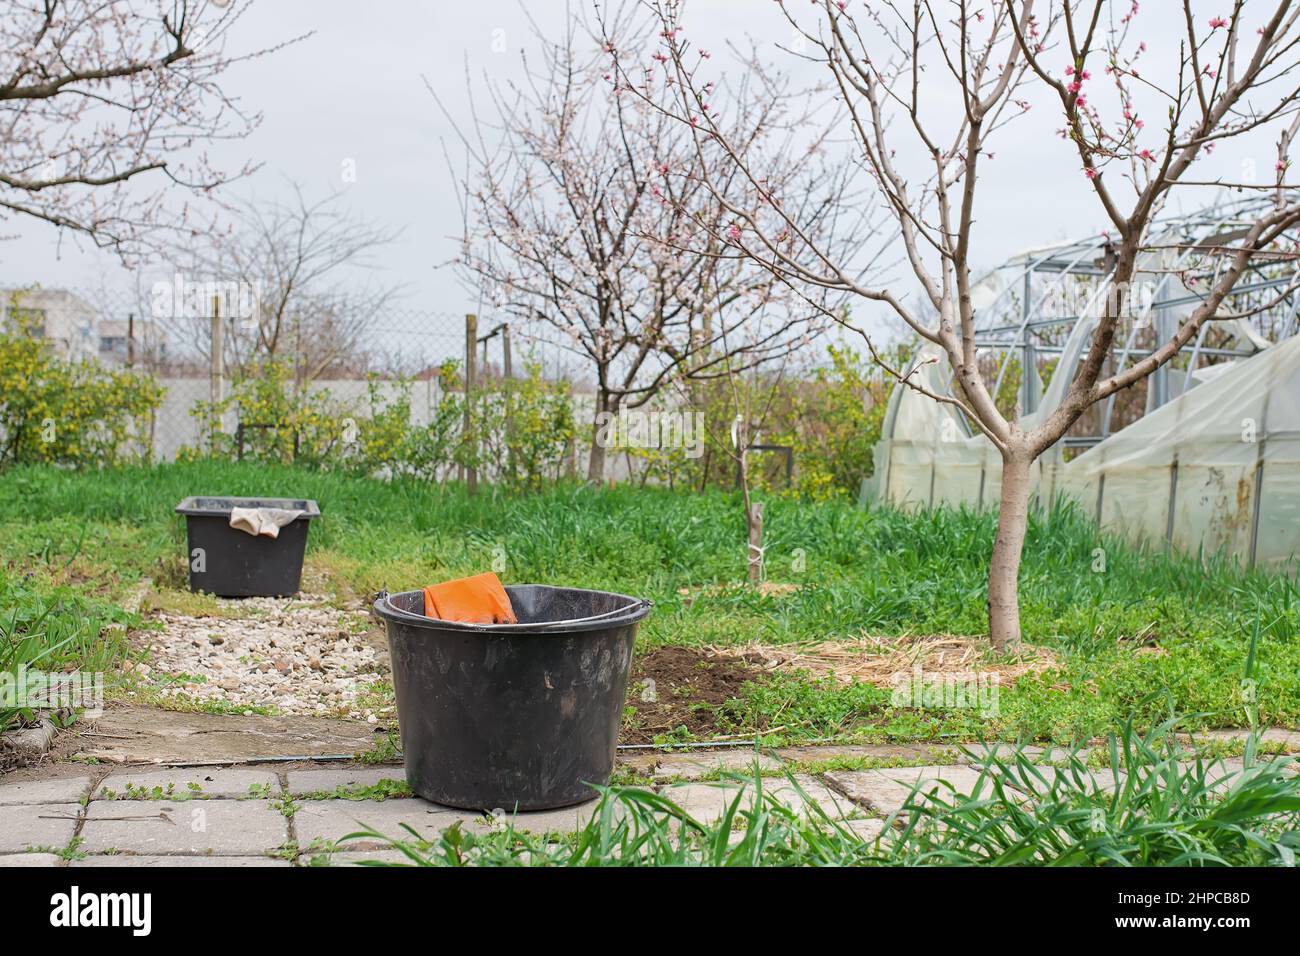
[(40, 690), (184, 298), (949, 690), (640, 428)]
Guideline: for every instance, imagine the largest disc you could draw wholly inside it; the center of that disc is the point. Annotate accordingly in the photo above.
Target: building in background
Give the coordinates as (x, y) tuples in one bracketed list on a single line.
[(132, 342), (67, 321)]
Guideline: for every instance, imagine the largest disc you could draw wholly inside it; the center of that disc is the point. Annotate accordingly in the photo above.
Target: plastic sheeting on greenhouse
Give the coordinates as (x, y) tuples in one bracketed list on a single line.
[(1217, 468)]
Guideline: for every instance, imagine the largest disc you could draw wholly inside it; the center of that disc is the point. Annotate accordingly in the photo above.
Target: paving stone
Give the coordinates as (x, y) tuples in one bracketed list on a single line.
[(819, 753), (1277, 736), (886, 790), (978, 753), (55, 790), (696, 765), (224, 827), (328, 821), (1098, 780), (329, 779), (867, 829), (642, 762), (134, 734), (563, 820), (41, 824), (116, 860), (1223, 774), (29, 859), (353, 858), (182, 783), (708, 802)]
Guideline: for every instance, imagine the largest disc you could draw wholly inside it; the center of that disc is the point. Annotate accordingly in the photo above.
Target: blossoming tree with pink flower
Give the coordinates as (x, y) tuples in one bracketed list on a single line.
[(591, 215), (1232, 75), (105, 109)]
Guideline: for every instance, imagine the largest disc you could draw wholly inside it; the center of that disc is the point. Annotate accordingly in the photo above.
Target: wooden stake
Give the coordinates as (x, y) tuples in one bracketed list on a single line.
[(756, 543)]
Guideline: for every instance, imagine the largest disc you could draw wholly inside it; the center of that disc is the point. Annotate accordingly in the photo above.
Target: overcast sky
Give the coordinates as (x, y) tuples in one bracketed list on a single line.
[(355, 92)]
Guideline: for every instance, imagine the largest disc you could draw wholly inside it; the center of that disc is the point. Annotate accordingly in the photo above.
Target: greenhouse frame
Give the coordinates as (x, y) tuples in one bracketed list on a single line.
[(1202, 456)]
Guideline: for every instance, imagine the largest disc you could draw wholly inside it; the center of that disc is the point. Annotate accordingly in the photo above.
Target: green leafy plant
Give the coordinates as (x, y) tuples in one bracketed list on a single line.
[(70, 413), (1165, 807), (52, 629), (1154, 804)]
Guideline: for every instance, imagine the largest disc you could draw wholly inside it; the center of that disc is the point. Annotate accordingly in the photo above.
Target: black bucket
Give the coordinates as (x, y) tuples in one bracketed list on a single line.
[(228, 562), (512, 716)]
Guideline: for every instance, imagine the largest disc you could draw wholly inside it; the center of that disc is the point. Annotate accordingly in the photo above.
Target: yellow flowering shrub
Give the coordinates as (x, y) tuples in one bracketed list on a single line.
[(70, 413), (521, 428)]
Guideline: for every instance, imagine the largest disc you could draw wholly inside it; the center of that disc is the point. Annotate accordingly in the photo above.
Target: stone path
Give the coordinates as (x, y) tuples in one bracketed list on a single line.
[(132, 734), (295, 656), (298, 814)]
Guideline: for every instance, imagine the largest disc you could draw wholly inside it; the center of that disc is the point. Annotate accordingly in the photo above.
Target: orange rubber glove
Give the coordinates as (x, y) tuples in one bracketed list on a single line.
[(476, 600)]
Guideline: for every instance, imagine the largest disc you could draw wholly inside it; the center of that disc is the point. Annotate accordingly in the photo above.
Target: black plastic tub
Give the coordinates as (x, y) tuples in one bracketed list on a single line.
[(228, 562), (512, 716)]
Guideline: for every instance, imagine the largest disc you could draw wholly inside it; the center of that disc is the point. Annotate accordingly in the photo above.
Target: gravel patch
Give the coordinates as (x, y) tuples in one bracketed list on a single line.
[(298, 656)]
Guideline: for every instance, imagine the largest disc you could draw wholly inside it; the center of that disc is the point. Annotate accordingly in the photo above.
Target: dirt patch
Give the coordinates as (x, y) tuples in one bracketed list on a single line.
[(881, 660), (682, 687)]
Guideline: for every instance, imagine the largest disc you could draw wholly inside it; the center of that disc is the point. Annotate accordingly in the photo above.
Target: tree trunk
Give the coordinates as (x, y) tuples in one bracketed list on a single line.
[(596, 463), (1004, 569)]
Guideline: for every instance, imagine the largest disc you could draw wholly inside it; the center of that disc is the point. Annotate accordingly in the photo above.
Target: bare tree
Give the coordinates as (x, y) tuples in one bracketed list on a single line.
[(889, 61), (95, 95), (298, 269), (587, 214)]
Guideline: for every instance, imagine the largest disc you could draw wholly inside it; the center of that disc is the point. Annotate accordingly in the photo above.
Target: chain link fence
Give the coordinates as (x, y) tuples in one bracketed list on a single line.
[(436, 393), (420, 354)]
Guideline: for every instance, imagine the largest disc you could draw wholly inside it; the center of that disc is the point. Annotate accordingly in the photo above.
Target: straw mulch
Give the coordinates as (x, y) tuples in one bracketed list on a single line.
[(879, 660)]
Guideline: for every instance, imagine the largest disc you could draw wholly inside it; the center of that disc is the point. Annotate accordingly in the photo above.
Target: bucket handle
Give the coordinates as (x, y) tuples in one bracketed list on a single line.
[(597, 617), (553, 625)]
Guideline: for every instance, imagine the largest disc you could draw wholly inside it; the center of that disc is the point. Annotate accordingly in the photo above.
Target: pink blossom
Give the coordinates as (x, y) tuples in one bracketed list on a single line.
[(1090, 172), (1217, 23), (733, 233), (1146, 154)]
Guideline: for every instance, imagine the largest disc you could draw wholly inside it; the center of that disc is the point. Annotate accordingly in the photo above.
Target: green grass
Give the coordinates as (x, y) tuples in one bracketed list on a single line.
[(1169, 808), (872, 572), (47, 628)]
